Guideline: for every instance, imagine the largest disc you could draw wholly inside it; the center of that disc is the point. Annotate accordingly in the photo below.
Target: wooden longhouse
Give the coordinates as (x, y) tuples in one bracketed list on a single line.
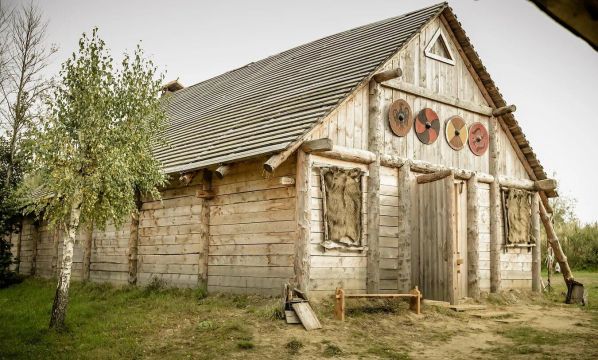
[(247, 208)]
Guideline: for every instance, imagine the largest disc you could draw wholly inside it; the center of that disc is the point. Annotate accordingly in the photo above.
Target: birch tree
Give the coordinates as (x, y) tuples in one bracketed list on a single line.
[(94, 151)]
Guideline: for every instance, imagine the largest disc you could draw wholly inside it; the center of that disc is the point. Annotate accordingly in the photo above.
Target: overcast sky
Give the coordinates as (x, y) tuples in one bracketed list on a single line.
[(550, 74)]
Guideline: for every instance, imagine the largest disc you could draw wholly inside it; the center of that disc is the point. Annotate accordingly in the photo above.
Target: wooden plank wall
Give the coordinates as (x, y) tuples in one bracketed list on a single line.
[(389, 233), (252, 230), (169, 244), (332, 268), (109, 254), (347, 125)]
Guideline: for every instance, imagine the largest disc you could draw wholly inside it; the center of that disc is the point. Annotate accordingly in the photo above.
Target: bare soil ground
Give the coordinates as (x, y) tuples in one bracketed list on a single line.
[(132, 323)]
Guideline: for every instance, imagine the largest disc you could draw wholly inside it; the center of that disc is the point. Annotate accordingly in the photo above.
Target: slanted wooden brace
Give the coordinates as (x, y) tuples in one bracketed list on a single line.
[(339, 307)]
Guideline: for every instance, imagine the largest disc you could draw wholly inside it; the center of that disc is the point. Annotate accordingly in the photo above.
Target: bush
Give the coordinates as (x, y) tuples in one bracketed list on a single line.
[(580, 244), (7, 277)]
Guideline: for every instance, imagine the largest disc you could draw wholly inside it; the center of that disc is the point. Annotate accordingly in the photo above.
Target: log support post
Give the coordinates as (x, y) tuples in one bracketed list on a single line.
[(35, 241), (536, 250), (451, 233), (87, 253), (204, 232), (473, 239), (495, 208), (134, 241), (375, 128), (303, 209), (405, 184), (554, 243)]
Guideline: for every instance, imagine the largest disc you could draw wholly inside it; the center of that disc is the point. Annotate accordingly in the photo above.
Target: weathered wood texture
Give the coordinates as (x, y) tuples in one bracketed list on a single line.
[(473, 239), (348, 124), (253, 230), (536, 250), (303, 199), (404, 229)]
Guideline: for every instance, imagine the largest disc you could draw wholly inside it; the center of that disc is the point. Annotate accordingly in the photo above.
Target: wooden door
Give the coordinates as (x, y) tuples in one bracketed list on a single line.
[(460, 237), (436, 223)]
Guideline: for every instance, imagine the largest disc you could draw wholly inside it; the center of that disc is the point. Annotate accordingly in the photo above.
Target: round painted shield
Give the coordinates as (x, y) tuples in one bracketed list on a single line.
[(456, 132), (478, 139), (427, 126), (400, 117)]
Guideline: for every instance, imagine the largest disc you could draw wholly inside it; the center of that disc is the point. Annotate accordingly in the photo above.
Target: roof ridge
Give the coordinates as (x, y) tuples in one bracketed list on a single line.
[(441, 4)]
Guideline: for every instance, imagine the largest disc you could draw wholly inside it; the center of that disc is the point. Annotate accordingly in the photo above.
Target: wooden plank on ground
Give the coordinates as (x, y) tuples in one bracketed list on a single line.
[(466, 307), (307, 316), (291, 317)]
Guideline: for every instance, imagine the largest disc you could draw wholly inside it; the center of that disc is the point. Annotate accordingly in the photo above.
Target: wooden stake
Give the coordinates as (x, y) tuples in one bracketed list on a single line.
[(387, 75), (339, 305), (317, 145), (303, 209), (87, 253), (405, 230), (536, 250), (373, 212), (473, 239), (495, 208), (222, 170)]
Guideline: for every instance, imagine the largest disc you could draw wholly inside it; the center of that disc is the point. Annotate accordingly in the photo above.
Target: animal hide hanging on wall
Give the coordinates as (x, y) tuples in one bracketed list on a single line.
[(518, 206), (342, 200)]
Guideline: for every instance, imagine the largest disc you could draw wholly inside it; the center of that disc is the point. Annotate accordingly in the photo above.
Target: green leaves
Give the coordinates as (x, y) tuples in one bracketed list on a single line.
[(97, 140)]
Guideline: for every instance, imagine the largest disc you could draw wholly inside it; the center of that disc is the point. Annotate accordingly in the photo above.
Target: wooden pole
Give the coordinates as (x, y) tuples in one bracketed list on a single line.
[(303, 209), (503, 110), (405, 230), (449, 186), (87, 253), (495, 208), (473, 239), (375, 130), (388, 75), (536, 250), (554, 243), (19, 245), (35, 241), (204, 233), (134, 241), (339, 305)]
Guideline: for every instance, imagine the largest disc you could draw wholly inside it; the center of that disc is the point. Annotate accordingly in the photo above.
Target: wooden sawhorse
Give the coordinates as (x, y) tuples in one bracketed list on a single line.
[(339, 307)]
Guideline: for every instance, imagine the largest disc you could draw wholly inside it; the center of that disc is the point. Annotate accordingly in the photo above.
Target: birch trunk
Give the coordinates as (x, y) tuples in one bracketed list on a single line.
[(61, 298)]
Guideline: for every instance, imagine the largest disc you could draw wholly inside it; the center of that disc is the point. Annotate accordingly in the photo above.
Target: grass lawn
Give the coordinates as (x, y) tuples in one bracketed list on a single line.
[(106, 322)]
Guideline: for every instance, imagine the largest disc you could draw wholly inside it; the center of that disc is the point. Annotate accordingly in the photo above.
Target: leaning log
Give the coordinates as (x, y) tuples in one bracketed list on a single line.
[(554, 243)]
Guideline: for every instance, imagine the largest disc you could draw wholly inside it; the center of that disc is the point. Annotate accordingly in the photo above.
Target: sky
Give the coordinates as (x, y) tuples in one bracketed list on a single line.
[(550, 74)]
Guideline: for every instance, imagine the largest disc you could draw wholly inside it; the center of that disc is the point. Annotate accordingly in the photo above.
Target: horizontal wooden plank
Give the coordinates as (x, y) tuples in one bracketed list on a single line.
[(252, 249), (254, 260), (262, 238)]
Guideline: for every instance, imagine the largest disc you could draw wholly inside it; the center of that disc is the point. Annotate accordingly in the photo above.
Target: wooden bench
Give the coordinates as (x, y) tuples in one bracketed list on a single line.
[(339, 307)]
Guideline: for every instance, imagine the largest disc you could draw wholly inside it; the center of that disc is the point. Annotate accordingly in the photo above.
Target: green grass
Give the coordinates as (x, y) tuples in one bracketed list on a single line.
[(106, 322)]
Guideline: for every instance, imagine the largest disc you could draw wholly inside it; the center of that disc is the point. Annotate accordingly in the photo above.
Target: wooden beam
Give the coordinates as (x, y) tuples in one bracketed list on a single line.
[(448, 100), (495, 208), (317, 145), (350, 154), (473, 239), (553, 241), (536, 250), (187, 177), (438, 175), (204, 231), (87, 253), (303, 215), (388, 75), (504, 110), (222, 170), (375, 131), (405, 230), (286, 180), (546, 184)]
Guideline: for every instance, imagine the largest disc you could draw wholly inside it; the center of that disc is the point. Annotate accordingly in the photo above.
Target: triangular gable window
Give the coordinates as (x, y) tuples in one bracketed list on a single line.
[(438, 48)]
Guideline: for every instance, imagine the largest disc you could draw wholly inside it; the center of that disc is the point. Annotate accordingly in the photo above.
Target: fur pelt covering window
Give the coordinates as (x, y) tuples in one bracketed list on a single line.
[(342, 210), (519, 214)]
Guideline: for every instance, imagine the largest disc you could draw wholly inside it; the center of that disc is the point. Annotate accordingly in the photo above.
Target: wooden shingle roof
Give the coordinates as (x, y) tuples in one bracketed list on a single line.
[(264, 106)]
